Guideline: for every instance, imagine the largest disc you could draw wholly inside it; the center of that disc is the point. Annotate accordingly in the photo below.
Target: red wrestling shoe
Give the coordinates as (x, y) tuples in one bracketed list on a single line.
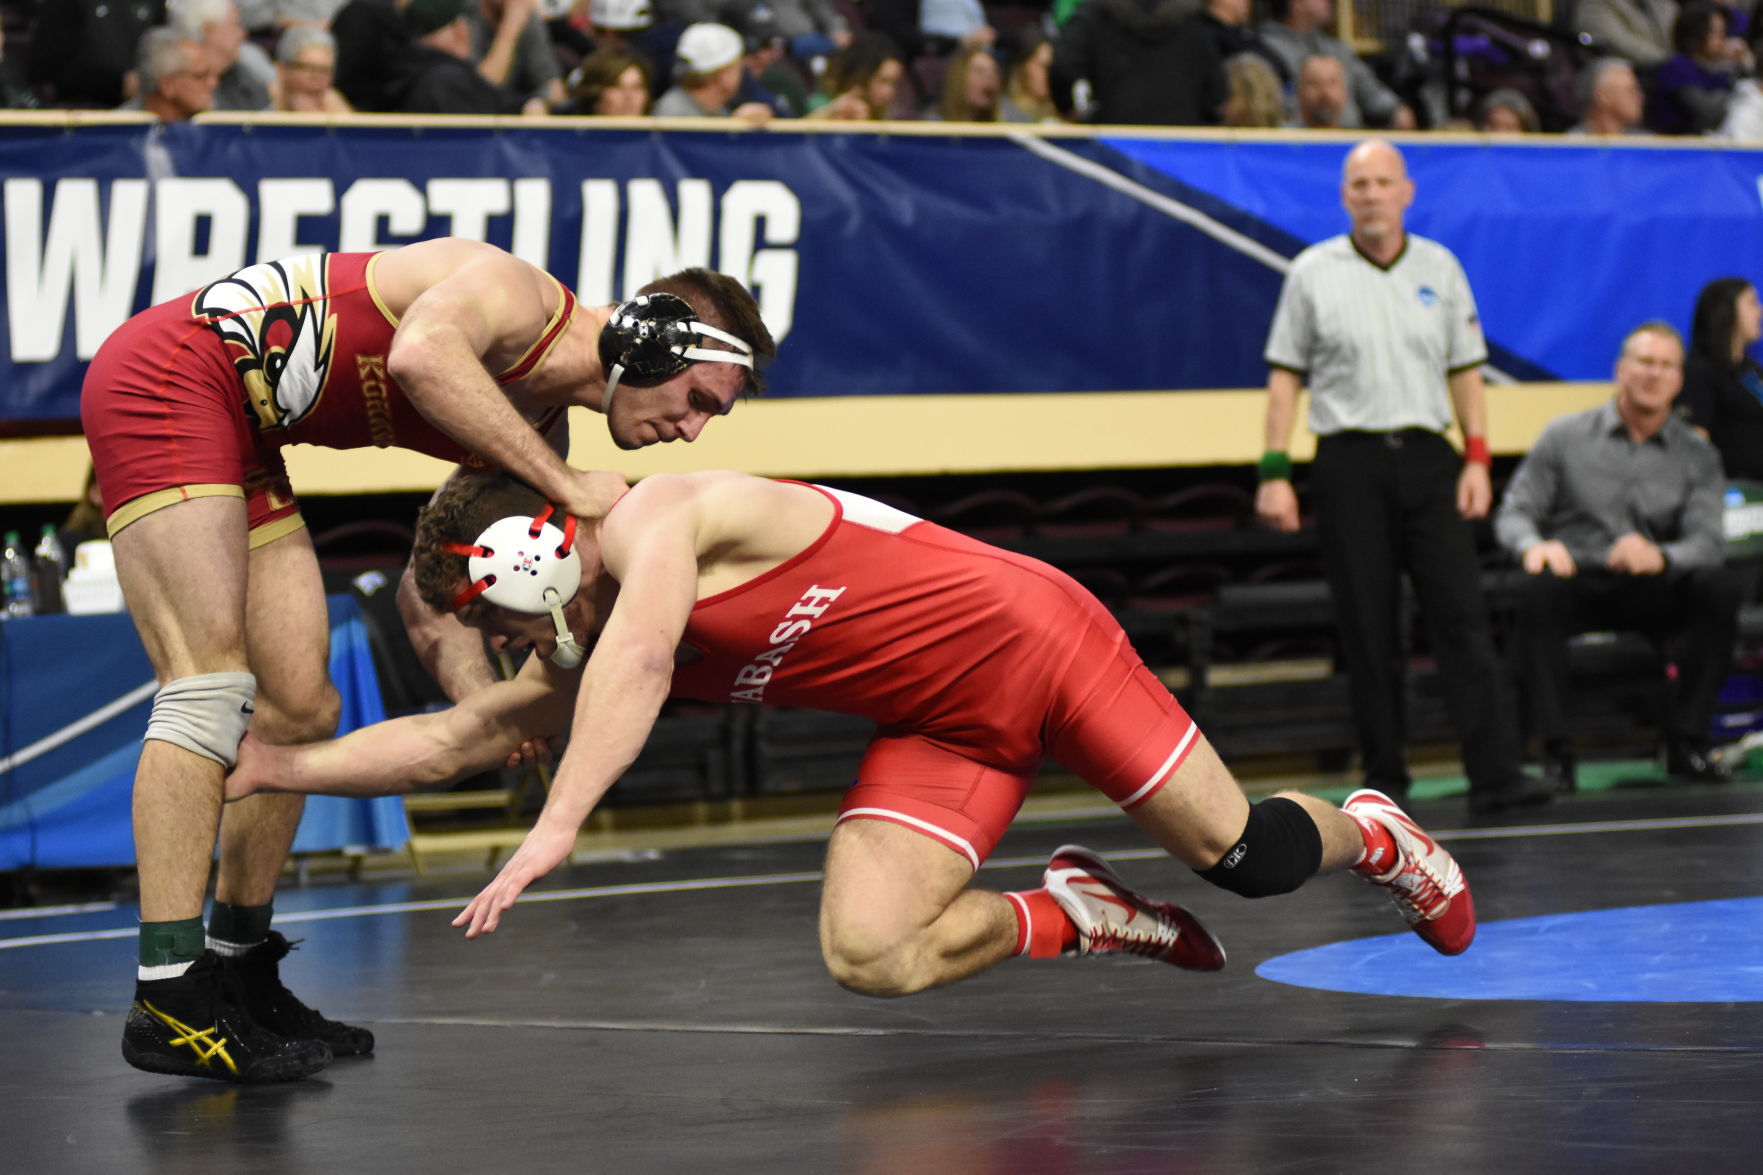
[(1111, 918), (1425, 883)]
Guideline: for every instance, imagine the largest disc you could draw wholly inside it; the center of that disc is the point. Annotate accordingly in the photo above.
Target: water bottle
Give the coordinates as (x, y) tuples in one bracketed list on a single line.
[(48, 569), (15, 570)]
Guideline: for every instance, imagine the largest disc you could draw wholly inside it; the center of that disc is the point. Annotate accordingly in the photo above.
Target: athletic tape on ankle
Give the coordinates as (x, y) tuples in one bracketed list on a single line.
[(206, 714)]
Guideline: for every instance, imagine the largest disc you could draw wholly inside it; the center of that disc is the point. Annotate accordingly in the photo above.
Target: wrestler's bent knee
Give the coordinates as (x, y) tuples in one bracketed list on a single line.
[(867, 970), (206, 714), (1279, 849)]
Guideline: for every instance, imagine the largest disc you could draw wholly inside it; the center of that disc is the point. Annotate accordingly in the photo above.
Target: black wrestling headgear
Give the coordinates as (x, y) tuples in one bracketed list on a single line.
[(653, 337)]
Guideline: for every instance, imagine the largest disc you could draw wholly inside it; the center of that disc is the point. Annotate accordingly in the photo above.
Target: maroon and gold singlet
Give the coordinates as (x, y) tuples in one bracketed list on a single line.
[(195, 397)]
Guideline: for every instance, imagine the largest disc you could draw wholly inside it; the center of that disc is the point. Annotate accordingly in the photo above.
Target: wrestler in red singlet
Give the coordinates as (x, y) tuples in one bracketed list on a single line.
[(195, 397), (975, 662)]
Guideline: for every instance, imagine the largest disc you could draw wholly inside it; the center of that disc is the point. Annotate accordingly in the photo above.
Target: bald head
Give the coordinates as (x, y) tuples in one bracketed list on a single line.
[(1379, 154), (1376, 192)]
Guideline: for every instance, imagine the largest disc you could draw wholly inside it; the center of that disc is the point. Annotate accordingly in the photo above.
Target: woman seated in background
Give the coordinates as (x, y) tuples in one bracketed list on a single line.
[(1691, 91), (611, 82), (1506, 112), (1027, 96), (970, 87), (861, 80), (305, 66), (1722, 385), (1256, 98)]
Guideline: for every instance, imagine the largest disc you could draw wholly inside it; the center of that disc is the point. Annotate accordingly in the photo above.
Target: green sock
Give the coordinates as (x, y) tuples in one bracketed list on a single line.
[(243, 926), (171, 944)]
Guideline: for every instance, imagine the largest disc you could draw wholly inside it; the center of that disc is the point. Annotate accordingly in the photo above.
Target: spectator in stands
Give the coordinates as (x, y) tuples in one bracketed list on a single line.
[(1639, 31), (1296, 33), (1722, 384), (767, 74), (1255, 99), (1692, 90), (862, 80), (373, 43), (1228, 22), (82, 51), (306, 63), (1142, 62), (1027, 96), (631, 24), (1616, 516), (1321, 94), (708, 61), (512, 49), (970, 88), (437, 73), (948, 25), (812, 29), (15, 92), (611, 83), (246, 72), (176, 76), (1506, 112), (1610, 99), (273, 16), (1382, 326)]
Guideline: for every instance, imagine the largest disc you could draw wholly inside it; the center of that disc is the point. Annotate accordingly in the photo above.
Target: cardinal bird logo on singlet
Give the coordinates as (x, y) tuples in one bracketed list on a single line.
[(275, 321)]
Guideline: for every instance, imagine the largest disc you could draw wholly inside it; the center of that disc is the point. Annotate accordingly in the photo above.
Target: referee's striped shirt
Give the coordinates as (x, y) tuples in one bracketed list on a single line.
[(1376, 344)]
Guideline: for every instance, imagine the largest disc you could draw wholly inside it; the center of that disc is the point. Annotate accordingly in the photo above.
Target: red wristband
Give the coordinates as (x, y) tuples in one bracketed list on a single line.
[(1476, 449)]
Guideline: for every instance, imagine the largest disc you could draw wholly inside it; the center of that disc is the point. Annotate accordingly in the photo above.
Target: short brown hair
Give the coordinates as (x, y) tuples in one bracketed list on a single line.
[(726, 304), (462, 510)]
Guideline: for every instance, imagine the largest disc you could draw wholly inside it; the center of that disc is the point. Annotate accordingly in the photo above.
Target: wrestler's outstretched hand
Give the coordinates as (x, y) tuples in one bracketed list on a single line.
[(542, 851)]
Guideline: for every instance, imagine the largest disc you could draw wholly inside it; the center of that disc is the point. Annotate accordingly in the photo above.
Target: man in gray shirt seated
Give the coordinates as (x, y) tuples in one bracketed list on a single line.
[(1616, 516), (1296, 32)]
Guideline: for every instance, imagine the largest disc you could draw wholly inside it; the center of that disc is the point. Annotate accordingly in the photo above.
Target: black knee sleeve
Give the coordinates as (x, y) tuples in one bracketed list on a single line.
[(1279, 850)]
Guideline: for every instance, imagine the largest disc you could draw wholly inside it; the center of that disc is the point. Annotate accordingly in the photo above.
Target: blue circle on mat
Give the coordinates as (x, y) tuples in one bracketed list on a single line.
[(1696, 952)]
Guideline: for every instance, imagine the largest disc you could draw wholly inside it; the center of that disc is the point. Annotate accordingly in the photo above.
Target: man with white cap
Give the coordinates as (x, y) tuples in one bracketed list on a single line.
[(707, 65)]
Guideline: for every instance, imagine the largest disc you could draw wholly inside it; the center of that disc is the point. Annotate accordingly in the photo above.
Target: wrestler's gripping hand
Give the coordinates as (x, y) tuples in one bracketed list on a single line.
[(542, 851), (592, 492)]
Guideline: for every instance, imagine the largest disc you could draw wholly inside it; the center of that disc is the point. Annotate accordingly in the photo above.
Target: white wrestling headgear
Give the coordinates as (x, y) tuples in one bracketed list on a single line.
[(653, 337), (526, 565)]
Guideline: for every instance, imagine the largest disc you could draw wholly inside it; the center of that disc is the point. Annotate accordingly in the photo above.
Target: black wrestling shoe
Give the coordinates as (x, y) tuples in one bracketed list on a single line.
[(1525, 791), (1686, 763), (280, 1010), (194, 1026)]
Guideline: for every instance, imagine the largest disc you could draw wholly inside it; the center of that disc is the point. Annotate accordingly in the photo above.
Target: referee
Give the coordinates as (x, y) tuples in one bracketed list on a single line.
[(1382, 326)]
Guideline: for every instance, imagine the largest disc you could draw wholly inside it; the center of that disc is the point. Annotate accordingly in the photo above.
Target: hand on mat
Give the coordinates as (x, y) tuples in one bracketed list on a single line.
[(542, 851)]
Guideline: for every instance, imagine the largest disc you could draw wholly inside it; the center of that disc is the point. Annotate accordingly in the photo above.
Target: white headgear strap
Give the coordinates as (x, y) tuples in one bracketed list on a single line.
[(526, 565)]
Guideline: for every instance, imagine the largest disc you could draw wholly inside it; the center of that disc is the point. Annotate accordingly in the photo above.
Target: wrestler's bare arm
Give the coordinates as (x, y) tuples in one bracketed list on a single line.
[(418, 752), (488, 308), (650, 546)]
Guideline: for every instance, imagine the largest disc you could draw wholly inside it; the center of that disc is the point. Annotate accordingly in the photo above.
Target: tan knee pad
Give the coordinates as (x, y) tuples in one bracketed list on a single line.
[(206, 714)]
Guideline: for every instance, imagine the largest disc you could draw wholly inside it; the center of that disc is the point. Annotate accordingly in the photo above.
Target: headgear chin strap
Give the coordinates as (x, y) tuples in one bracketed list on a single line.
[(654, 337), (526, 565)]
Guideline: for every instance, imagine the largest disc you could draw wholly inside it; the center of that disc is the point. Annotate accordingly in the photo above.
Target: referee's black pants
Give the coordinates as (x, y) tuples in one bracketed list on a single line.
[(1695, 609), (1386, 503)]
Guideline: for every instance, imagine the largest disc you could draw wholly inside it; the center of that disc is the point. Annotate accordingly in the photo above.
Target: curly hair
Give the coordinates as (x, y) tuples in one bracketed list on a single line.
[(726, 304), (464, 507)]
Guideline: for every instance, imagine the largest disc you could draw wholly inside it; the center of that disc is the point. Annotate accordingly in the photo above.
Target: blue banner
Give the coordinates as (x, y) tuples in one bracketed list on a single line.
[(75, 692), (886, 263)]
